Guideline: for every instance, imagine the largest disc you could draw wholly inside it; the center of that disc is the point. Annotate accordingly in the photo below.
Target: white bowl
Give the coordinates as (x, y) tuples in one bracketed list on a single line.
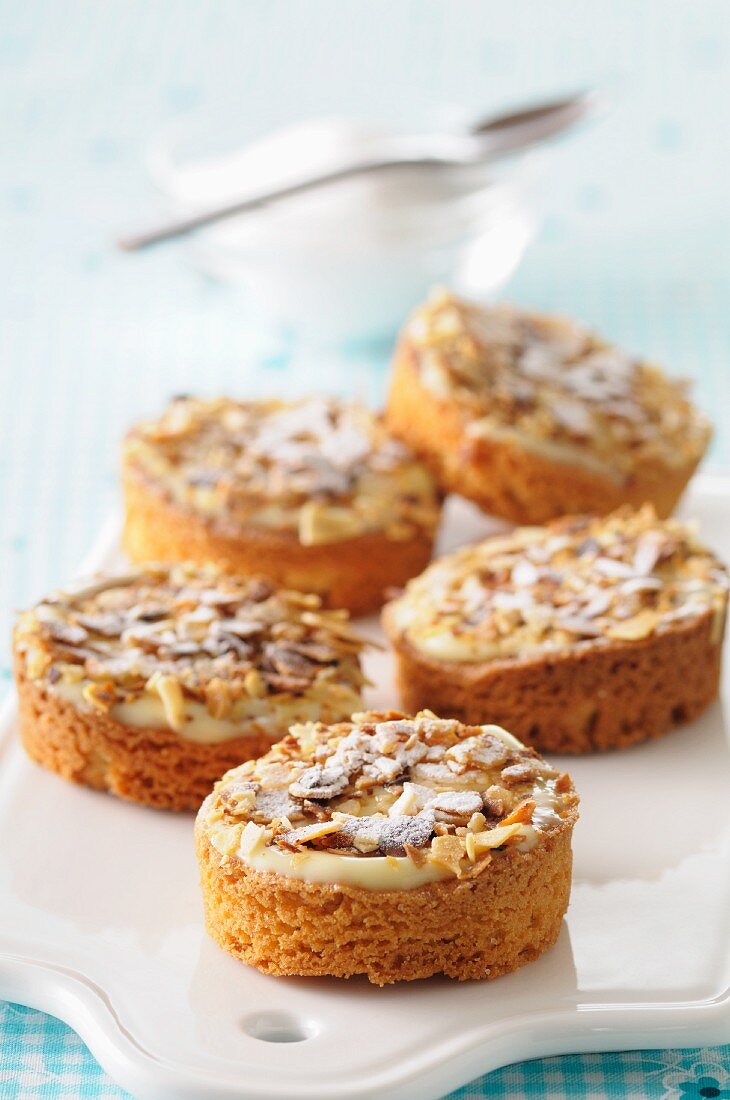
[(350, 260)]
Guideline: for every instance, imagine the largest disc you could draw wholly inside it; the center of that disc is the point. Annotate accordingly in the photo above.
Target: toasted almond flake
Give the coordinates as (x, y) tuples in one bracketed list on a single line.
[(524, 574), (219, 698), (528, 840), (634, 629), (417, 856), (525, 771), (522, 813), (493, 838), (37, 663), (253, 838), (171, 695), (455, 806), (212, 633), (477, 868), (241, 802), (99, 696), (325, 468), (467, 607), (305, 834), (410, 801), (484, 750), (226, 838), (559, 387), (254, 684), (582, 627), (389, 820), (322, 523), (72, 674), (273, 775), (448, 851)]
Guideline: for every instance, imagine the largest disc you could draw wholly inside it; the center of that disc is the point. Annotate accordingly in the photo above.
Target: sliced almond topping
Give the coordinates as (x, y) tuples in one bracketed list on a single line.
[(456, 807), (417, 856), (240, 802), (413, 798), (173, 701), (100, 696), (522, 813), (448, 851), (323, 523), (492, 838), (254, 683), (634, 629), (560, 587), (36, 662), (253, 838), (296, 838), (225, 838), (478, 867), (305, 793), (187, 634)]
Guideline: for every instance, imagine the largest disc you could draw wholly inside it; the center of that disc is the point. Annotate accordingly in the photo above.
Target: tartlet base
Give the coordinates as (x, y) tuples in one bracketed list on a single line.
[(482, 927), (591, 699), (355, 573), (504, 478), (151, 766)]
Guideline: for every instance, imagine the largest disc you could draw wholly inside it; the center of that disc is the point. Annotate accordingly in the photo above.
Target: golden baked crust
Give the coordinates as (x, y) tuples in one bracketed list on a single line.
[(591, 700), (476, 928), (150, 683), (356, 573), (152, 766), (388, 846), (313, 493), (532, 417), (586, 635)]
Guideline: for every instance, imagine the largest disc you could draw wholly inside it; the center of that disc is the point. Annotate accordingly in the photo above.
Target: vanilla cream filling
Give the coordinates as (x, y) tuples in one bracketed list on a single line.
[(565, 454), (446, 645), (368, 872), (443, 644), (265, 715)]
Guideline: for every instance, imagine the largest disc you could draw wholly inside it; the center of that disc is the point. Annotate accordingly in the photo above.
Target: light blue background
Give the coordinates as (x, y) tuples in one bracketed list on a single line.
[(635, 240)]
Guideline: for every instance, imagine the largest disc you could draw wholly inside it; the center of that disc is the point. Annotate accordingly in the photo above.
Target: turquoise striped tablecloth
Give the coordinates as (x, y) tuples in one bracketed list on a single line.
[(634, 240)]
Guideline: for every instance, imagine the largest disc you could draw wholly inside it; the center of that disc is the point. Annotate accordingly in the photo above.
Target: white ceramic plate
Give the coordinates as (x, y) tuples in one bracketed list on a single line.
[(101, 925)]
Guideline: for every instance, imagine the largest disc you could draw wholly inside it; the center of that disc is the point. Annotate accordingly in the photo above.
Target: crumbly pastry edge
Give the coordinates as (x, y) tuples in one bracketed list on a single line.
[(620, 577), (355, 573), (582, 700), (584, 374), (153, 767), (502, 475), (391, 495), (311, 656), (283, 926)]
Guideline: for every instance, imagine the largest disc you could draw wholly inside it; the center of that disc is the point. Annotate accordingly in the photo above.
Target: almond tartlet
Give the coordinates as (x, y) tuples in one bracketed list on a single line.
[(313, 493), (390, 846), (534, 416), (584, 635), (149, 685)]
